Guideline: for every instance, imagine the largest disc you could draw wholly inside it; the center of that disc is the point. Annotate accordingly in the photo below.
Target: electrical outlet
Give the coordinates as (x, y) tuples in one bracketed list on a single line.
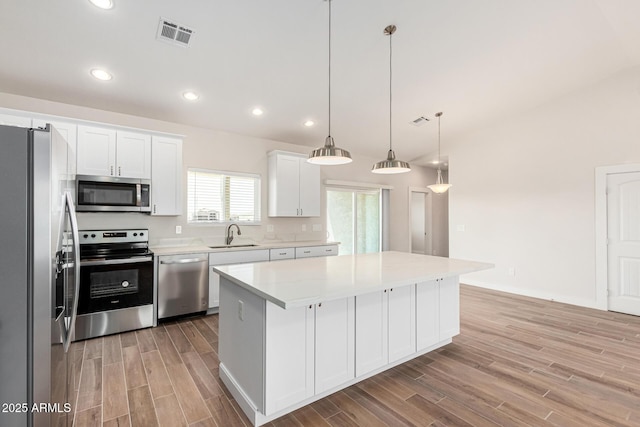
[(269, 228), (317, 227), (178, 229), (241, 309), (304, 227)]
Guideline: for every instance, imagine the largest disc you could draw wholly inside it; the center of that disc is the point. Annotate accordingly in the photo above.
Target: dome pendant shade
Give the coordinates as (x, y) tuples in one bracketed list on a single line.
[(391, 165), (439, 187), (329, 154)]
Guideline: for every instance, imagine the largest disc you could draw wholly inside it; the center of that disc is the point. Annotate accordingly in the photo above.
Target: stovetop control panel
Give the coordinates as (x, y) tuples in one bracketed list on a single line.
[(113, 236)]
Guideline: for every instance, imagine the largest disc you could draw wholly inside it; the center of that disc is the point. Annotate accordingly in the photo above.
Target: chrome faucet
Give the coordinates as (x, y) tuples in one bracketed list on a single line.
[(230, 233)]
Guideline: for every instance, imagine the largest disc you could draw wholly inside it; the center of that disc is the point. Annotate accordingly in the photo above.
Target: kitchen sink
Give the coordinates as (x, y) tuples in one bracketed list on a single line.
[(232, 246)]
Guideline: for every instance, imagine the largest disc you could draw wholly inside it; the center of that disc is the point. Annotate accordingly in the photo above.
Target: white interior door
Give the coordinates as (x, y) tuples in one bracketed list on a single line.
[(420, 213), (623, 249)]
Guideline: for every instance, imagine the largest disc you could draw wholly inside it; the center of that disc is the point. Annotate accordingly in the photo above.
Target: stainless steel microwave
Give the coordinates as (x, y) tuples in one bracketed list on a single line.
[(111, 194)]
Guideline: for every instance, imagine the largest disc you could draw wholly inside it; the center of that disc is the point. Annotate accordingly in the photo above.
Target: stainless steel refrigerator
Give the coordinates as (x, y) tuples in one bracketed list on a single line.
[(39, 273)]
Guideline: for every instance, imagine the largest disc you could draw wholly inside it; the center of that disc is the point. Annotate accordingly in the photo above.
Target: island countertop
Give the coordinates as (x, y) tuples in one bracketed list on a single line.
[(296, 283)]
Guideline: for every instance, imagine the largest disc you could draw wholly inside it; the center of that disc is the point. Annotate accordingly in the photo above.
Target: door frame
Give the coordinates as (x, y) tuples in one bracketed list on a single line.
[(601, 226), (428, 209)]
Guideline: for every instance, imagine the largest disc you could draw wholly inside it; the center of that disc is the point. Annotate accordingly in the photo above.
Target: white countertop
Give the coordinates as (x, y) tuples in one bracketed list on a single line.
[(202, 248), (295, 283)]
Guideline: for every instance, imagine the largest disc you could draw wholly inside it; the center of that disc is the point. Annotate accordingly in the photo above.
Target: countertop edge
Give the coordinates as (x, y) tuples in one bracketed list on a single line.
[(337, 295), (182, 250)]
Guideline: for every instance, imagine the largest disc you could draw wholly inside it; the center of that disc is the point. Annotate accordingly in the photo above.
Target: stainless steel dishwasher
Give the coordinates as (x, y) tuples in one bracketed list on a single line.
[(183, 284)]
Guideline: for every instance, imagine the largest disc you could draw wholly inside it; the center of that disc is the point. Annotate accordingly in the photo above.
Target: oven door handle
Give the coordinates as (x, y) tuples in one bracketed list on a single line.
[(116, 261), (185, 261)]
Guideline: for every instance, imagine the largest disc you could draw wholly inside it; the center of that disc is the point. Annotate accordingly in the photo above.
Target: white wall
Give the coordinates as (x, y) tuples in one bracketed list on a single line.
[(524, 189), (204, 148)]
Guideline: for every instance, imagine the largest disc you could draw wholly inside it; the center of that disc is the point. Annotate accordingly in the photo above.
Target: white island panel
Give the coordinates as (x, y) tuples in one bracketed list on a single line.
[(292, 332)]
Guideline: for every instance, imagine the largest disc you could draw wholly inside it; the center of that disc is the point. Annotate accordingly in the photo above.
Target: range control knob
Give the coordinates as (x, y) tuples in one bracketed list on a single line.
[(135, 234), (125, 283), (93, 236), (85, 236), (142, 234)]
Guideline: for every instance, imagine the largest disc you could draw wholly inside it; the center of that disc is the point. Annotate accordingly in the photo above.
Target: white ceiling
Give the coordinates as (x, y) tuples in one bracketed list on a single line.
[(477, 60)]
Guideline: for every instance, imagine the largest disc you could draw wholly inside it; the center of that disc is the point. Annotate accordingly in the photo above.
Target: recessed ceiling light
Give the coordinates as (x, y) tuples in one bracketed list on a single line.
[(102, 4), (309, 123), (257, 111), (190, 96), (101, 74)]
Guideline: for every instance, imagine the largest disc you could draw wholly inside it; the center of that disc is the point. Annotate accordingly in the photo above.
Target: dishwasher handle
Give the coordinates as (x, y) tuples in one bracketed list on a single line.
[(185, 261)]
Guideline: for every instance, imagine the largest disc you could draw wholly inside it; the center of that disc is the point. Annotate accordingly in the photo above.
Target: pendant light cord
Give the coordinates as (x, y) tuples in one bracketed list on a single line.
[(390, 98), (329, 67), (438, 115)]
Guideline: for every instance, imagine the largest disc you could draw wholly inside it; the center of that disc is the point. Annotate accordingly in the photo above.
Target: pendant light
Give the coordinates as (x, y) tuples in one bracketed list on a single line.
[(390, 164), (329, 154), (439, 186)]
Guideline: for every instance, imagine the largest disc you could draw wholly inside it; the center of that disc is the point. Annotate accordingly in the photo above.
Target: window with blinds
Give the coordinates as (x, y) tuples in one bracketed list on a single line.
[(219, 197)]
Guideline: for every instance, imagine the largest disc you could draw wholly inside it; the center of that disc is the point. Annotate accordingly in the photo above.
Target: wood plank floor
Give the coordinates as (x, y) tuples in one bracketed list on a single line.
[(518, 362)]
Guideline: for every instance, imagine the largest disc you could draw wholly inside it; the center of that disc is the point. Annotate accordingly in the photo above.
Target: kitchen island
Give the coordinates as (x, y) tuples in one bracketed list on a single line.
[(292, 332)]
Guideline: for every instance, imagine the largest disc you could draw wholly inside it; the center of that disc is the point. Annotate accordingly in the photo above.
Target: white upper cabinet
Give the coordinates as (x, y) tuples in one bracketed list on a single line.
[(106, 152), (166, 176), (133, 155), (69, 132), (96, 153), (11, 120), (294, 185)]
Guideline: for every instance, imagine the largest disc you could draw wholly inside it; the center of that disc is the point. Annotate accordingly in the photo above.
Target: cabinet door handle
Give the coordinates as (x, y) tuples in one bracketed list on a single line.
[(154, 208), (300, 211), (320, 305), (111, 173), (119, 171)]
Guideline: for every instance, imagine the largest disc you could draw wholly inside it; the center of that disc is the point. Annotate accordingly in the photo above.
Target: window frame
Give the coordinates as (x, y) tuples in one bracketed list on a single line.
[(257, 198)]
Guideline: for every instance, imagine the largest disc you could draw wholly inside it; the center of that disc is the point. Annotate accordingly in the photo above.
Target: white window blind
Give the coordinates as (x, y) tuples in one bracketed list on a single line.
[(218, 197)]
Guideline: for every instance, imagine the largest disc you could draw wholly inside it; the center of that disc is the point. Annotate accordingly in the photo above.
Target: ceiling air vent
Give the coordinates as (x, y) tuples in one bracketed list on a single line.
[(174, 33), (419, 121)]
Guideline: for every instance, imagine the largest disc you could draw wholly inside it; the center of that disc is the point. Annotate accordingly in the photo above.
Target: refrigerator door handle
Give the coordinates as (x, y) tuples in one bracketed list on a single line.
[(76, 286)]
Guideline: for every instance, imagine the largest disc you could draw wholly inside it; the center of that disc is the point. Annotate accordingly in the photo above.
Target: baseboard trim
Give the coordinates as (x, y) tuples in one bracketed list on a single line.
[(581, 302)]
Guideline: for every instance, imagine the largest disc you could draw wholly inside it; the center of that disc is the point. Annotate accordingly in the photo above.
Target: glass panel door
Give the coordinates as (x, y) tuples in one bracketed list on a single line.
[(353, 219)]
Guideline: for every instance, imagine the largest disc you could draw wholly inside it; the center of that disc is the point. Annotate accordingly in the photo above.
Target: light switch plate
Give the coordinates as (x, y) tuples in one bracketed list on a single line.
[(178, 229)]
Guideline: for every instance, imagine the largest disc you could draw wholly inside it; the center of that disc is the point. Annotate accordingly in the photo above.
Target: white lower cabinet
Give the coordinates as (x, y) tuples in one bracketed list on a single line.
[(316, 251), (372, 332), (334, 343), (402, 322), (281, 253), (289, 356), (437, 311), (449, 307), (385, 327), (308, 350)]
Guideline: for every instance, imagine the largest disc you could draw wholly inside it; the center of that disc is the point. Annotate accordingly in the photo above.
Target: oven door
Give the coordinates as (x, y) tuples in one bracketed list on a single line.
[(114, 284)]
